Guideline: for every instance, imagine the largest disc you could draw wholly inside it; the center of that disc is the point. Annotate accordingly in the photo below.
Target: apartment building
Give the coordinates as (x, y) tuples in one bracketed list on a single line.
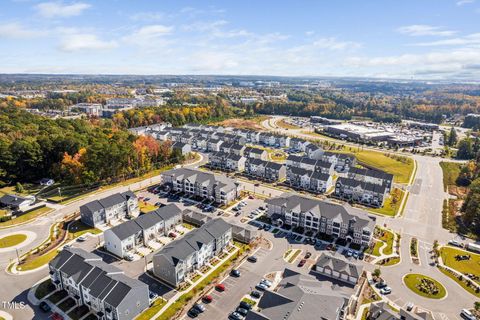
[(174, 262), (112, 208), (359, 191), (103, 288), (328, 219), (203, 185), (265, 170), (337, 267), (128, 236)]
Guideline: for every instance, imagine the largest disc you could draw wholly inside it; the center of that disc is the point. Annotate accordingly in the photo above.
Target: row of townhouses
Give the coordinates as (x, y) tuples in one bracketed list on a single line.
[(113, 208), (265, 170), (377, 177), (125, 238), (107, 292), (226, 161), (175, 261), (361, 192), (322, 217), (309, 180), (200, 184)]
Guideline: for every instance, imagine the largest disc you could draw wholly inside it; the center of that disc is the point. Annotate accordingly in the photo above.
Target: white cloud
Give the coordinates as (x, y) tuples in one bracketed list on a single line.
[(148, 16), (468, 40), (85, 42), (151, 35), (334, 44), (60, 9), (462, 2), (425, 30), (18, 31)]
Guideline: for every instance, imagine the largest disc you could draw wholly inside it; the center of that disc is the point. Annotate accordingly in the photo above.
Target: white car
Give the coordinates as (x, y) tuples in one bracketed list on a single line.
[(81, 238), (266, 282), (386, 290), (466, 314)]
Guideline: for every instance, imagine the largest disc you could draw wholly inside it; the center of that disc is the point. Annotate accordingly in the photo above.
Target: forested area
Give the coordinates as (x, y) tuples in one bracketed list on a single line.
[(76, 151), (470, 176)]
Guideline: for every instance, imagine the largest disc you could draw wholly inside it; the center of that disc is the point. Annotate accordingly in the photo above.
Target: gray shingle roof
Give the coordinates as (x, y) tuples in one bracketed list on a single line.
[(340, 264)]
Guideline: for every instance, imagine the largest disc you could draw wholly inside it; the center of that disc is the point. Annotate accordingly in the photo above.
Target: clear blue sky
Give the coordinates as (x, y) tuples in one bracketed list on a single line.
[(437, 39)]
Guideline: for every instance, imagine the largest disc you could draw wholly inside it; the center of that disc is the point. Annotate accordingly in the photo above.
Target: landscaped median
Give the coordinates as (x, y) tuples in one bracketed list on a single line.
[(60, 233), (424, 286), (194, 291)]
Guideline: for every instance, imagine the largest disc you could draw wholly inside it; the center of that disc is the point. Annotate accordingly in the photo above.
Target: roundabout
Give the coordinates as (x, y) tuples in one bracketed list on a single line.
[(12, 240), (16, 240), (424, 286)]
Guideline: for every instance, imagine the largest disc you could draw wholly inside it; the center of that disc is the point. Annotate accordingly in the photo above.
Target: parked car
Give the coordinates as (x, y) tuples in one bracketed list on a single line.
[(266, 227), (81, 238), (193, 313), (172, 235), (455, 243), (152, 295), (329, 247), (237, 214), (386, 290), (261, 287), (361, 255), (302, 263), (235, 316), (410, 306), (467, 314), (308, 255), (255, 294), (252, 259), (380, 285), (235, 273), (245, 305), (44, 307), (207, 299), (266, 282), (355, 254), (129, 257), (242, 311), (220, 287), (56, 316), (349, 253), (200, 307)]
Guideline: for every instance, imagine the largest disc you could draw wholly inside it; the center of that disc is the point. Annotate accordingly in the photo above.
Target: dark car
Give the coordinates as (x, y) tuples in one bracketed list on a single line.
[(245, 305), (207, 299), (193, 313), (380, 285), (44, 307), (302, 263), (252, 259), (235, 273), (255, 294), (308, 255)]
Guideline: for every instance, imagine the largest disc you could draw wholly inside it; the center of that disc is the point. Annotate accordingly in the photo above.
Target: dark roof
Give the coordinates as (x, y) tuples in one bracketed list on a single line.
[(169, 211), (12, 200), (148, 220), (126, 229)]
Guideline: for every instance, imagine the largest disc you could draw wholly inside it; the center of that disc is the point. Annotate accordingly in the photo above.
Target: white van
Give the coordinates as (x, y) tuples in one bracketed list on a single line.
[(466, 314)]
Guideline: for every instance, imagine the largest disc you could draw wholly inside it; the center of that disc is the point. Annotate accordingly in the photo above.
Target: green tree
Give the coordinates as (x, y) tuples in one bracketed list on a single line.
[(452, 138), (465, 150), (19, 188)]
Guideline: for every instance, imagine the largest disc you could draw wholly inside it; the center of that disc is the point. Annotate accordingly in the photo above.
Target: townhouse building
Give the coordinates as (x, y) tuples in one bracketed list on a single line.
[(265, 170), (202, 185), (182, 148), (325, 218), (255, 153), (104, 289), (310, 164), (110, 209), (226, 161), (298, 144), (360, 191), (376, 176), (338, 267), (174, 262), (125, 238), (309, 180), (213, 145), (313, 151), (342, 162)]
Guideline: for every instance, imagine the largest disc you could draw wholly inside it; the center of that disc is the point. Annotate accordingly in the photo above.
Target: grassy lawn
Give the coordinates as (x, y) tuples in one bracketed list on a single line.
[(29, 188), (376, 249), (12, 240), (277, 155), (38, 262), (465, 266), (391, 204), (294, 256), (150, 312), (365, 313), (391, 262), (3, 212), (146, 207), (451, 171), (188, 226), (26, 217), (388, 238), (78, 228), (44, 288), (287, 253), (462, 282), (413, 281)]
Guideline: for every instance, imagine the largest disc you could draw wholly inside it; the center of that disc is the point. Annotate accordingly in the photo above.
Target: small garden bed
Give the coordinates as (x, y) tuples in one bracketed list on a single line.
[(67, 304), (44, 288), (57, 296), (425, 286)]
